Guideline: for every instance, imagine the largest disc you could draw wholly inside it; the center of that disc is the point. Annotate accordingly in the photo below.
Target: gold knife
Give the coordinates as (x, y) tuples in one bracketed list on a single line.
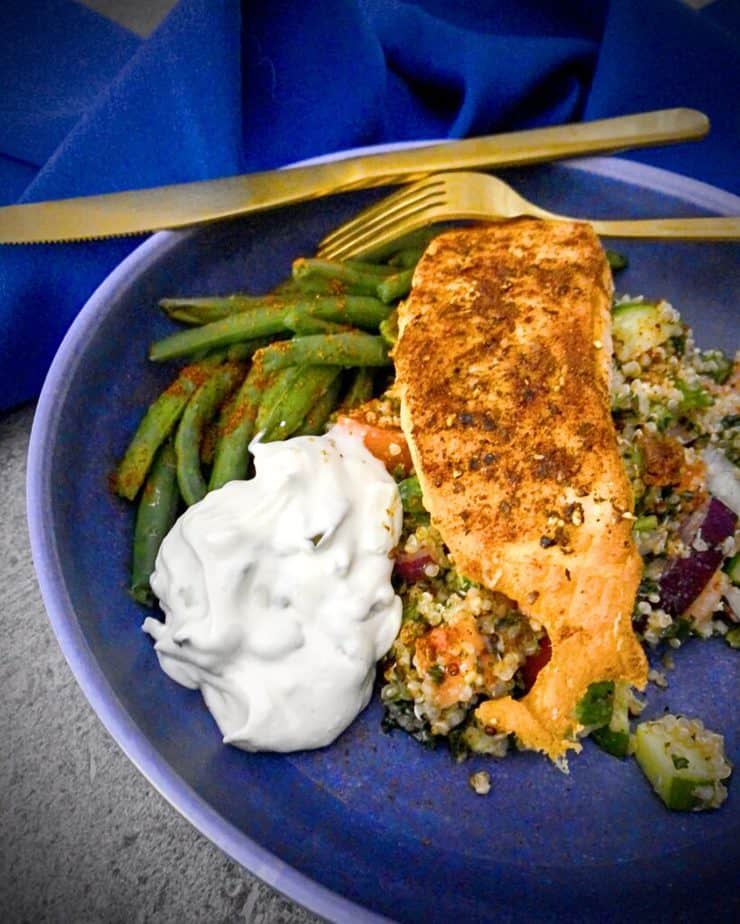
[(184, 204)]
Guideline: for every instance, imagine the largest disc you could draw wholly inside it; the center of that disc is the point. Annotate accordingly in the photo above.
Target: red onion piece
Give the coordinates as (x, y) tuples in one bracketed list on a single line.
[(683, 579), (689, 527), (410, 565)]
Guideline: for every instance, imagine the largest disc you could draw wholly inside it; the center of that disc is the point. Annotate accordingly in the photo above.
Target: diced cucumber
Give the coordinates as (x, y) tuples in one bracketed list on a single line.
[(615, 743), (645, 524), (614, 738), (684, 762), (641, 326), (411, 497), (617, 261), (597, 706), (732, 569), (732, 637)]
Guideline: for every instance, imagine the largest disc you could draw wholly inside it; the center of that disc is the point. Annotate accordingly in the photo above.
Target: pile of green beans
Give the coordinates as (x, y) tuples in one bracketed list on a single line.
[(278, 365)]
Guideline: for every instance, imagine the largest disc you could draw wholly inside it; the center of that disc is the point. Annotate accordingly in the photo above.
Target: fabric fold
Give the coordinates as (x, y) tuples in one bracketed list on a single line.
[(172, 114), (223, 88), (674, 57)]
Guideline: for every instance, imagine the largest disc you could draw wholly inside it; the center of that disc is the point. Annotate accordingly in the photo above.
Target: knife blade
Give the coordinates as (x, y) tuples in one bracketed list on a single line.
[(185, 204)]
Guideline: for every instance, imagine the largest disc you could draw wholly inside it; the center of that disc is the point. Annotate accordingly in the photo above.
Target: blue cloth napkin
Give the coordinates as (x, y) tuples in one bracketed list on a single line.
[(229, 87)]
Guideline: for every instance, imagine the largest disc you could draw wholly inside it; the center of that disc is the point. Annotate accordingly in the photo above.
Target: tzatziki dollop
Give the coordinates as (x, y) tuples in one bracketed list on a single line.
[(277, 592)]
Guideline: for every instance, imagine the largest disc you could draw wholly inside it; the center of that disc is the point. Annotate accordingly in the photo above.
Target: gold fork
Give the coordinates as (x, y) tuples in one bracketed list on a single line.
[(479, 196)]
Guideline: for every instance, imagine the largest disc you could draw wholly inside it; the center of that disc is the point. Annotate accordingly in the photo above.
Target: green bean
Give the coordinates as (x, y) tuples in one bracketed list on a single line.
[(415, 240), (156, 426), (353, 310), (289, 412), (268, 320), (303, 323), (278, 384), (315, 421), (241, 352), (316, 285), (208, 441), (285, 287), (235, 329), (406, 258), (212, 357), (354, 348), (155, 515), (292, 287), (360, 390), (341, 275), (389, 328), (394, 287), (206, 309), (201, 408), (237, 352), (236, 428), (379, 269)]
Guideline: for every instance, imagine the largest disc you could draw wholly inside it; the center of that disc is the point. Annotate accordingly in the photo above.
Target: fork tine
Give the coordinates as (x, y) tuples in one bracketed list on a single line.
[(369, 213), (381, 208), (391, 220), (375, 244), (389, 205)]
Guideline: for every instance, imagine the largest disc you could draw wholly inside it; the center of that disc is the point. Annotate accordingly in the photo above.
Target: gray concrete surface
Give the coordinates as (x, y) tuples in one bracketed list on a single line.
[(140, 16), (84, 838)]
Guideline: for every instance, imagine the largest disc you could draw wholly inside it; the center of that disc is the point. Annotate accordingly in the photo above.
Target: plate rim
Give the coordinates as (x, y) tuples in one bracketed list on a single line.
[(239, 846)]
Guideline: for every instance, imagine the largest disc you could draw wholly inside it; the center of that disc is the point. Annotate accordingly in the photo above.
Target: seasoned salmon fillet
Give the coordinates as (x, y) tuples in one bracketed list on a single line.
[(502, 364)]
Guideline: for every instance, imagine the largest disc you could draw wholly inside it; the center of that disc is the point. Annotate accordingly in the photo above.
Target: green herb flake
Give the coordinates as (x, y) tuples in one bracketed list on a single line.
[(732, 637), (401, 715), (437, 673), (679, 344), (679, 628), (680, 763), (661, 416), (720, 365), (693, 398)]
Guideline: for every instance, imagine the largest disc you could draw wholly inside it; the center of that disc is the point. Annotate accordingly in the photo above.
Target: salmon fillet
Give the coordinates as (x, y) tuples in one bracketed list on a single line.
[(503, 364)]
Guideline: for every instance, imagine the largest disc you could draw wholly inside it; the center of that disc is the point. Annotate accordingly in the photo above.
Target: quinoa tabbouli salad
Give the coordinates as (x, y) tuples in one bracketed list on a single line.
[(677, 414)]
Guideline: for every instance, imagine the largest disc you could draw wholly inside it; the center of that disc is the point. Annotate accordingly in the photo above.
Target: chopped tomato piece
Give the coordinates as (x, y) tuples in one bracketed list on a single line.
[(448, 653), (534, 663), (386, 443)]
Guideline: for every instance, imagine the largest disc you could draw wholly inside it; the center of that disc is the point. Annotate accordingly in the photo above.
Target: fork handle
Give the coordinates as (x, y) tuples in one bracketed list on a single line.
[(682, 229)]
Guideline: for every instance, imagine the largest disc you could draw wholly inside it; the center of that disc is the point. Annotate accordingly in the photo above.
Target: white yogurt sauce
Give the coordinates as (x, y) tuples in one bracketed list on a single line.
[(277, 593)]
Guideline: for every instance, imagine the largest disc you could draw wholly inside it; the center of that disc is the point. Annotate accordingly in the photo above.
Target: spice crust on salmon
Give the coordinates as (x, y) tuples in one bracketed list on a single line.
[(503, 364)]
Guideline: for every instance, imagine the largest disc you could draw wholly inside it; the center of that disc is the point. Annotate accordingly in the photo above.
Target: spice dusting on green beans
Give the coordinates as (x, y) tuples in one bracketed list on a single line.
[(293, 361), (280, 363)]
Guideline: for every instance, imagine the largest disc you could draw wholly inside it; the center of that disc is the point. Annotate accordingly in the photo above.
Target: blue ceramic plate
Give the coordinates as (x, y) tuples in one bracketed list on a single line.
[(374, 826)]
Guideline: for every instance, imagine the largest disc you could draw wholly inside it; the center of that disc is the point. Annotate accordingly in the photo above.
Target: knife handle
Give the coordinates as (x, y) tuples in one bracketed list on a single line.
[(529, 146)]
